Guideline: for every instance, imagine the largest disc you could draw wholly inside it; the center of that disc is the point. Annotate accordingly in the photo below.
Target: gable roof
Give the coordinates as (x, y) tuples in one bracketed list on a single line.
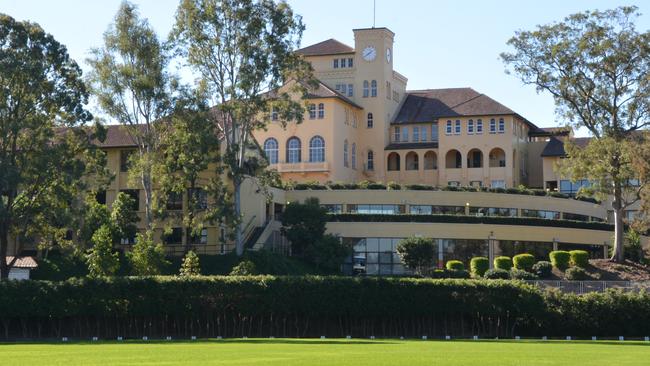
[(555, 147), (430, 104), (328, 47), (324, 91)]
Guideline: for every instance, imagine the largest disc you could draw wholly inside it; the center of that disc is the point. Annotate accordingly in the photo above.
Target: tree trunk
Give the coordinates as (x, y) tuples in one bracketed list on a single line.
[(146, 185), (618, 254), (4, 244), (239, 244)]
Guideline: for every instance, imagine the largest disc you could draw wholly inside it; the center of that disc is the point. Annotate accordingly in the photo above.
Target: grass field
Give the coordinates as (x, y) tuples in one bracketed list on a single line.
[(289, 352)]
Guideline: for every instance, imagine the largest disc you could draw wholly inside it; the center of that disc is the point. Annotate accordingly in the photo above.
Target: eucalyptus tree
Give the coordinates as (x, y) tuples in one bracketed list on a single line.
[(132, 85), (596, 65), (242, 50), (44, 149)]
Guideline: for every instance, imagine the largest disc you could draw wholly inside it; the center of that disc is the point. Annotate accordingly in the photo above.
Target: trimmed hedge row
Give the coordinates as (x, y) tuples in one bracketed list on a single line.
[(316, 186), (311, 306), (459, 219)]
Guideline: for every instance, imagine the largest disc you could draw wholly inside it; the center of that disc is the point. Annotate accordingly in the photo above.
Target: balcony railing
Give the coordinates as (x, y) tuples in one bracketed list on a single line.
[(304, 166)]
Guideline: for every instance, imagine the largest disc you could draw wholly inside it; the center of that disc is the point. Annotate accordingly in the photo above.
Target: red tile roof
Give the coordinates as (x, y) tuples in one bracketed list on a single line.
[(22, 262), (328, 47)]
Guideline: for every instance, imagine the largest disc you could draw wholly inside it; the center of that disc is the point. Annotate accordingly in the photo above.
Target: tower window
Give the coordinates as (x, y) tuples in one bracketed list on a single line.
[(373, 88), (366, 89)]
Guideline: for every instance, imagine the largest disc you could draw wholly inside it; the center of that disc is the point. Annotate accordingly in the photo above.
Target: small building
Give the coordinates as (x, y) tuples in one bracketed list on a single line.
[(21, 267)]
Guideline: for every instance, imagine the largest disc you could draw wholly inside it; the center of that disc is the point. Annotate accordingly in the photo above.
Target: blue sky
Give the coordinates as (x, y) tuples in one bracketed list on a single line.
[(438, 44)]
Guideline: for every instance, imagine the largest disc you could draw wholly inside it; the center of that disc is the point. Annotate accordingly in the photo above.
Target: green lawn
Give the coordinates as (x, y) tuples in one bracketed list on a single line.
[(289, 352)]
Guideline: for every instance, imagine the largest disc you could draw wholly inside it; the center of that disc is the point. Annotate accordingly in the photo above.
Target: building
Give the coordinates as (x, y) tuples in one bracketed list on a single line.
[(363, 124)]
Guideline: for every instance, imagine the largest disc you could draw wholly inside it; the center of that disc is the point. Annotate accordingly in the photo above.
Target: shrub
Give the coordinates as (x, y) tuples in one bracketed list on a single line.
[(560, 259), (497, 274), (504, 263), (191, 265), (518, 274), (146, 257), (478, 266), (579, 258), (392, 186), (463, 274), (576, 274), (244, 268), (417, 253), (455, 265), (543, 269), (524, 262), (420, 187)]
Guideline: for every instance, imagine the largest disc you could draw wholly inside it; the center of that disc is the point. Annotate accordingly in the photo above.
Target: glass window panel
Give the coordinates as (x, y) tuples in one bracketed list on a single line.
[(372, 244), (385, 245)]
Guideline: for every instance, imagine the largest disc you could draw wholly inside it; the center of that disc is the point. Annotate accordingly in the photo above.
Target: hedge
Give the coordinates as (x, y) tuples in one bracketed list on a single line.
[(543, 269), (479, 265), (560, 259), (503, 262), (524, 262), (459, 219), (309, 306), (455, 265), (579, 258)]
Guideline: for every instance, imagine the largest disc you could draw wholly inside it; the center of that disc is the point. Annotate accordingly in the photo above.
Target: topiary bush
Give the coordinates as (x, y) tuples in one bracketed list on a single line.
[(576, 274), (524, 262), (560, 259), (497, 274), (543, 269), (478, 266), (518, 274), (579, 258), (503, 262), (455, 265)]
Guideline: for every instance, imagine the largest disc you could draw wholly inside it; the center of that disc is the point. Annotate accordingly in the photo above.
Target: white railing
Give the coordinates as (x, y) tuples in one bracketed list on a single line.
[(583, 287)]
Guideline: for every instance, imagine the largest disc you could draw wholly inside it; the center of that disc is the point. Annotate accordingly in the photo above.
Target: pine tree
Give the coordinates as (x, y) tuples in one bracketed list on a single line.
[(191, 265)]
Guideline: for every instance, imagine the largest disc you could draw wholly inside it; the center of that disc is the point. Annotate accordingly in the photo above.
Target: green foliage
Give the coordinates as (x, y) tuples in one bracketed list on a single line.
[(576, 274), (95, 216), (147, 258), (191, 265), (560, 259), (101, 259), (478, 266), (543, 269), (518, 274), (244, 268), (633, 249), (497, 274), (455, 265), (524, 262), (327, 254), (502, 262), (417, 253), (304, 224), (579, 258), (123, 217), (60, 267)]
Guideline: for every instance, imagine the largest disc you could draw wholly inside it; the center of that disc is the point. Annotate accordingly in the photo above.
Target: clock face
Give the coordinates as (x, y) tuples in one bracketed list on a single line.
[(369, 53), (388, 55)]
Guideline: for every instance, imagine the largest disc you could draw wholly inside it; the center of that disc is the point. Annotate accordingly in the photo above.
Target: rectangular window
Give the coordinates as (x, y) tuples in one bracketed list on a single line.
[(135, 194), (350, 62), (405, 134), (575, 217), (336, 63), (449, 128), (198, 197), (200, 238), (173, 237), (397, 136), (453, 183), (423, 134), (377, 209), (502, 125), (125, 156), (388, 90), (274, 114), (493, 125), (470, 127), (479, 126), (312, 111), (321, 110), (350, 90), (128, 241), (550, 215), (434, 132), (448, 210), (416, 134), (476, 183), (420, 209), (570, 188), (333, 209), (457, 129), (174, 201), (493, 211), (498, 183)]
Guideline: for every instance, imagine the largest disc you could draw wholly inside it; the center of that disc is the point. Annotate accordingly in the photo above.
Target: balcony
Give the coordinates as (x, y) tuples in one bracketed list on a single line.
[(304, 166)]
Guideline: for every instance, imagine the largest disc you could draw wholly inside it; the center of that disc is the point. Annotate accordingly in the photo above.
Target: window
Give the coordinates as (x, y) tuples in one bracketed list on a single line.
[(198, 197), (317, 149), (125, 155), (395, 96), (416, 134), (321, 110), (312, 111), (199, 238), (412, 161), (342, 62), (423, 134), (373, 88), (498, 183), (370, 122), (388, 90), (470, 127), (345, 153), (128, 241), (274, 114), (550, 215), (100, 197), (336, 63), (502, 125), (397, 136), (493, 211), (354, 155), (476, 183), (370, 164), (453, 183), (377, 209), (576, 217), (479, 126), (135, 194), (173, 237), (271, 150), (393, 161), (293, 150), (457, 127), (350, 62), (350, 90), (405, 134), (366, 89), (434, 132), (174, 201), (333, 208), (493, 126), (570, 188), (448, 129)]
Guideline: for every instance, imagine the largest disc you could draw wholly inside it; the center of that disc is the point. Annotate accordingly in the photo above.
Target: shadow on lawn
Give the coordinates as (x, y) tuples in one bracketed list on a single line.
[(629, 342)]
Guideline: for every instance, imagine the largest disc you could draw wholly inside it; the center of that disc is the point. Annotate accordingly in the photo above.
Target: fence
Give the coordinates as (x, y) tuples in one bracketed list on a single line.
[(582, 287)]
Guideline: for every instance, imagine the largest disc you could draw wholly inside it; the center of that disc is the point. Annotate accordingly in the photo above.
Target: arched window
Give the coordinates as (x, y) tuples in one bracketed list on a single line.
[(497, 158), (345, 153), (293, 150), (354, 155), (475, 158), (316, 149), (370, 162), (393, 161), (366, 89), (412, 161), (370, 120), (453, 159), (430, 160), (321, 111), (373, 88), (479, 126), (271, 150)]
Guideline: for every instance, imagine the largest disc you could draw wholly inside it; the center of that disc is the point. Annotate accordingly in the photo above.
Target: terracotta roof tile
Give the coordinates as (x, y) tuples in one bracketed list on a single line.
[(22, 262), (328, 47)]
